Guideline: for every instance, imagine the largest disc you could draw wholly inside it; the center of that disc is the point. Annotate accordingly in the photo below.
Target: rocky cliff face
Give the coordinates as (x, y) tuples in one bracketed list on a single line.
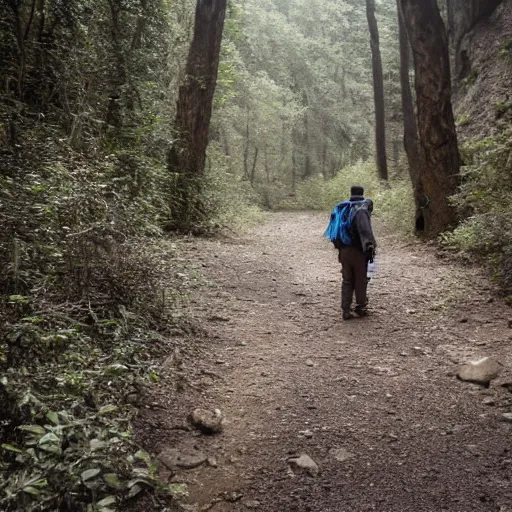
[(481, 41)]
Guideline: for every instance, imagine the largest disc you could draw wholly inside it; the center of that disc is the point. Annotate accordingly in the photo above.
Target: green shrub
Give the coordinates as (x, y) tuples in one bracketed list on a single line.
[(485, 201), (393, 202), (464, 120), (231, 204)]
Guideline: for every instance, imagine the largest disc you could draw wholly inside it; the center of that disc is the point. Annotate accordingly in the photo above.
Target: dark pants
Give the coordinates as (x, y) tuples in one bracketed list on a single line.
[(353, 270)]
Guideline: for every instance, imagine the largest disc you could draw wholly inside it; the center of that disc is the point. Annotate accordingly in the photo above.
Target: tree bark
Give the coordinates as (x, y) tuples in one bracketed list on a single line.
[(254, 162), (411, 143), (308, 168), (378, 91), (439, 176), (195, 103), (267, 168), (246, 148)]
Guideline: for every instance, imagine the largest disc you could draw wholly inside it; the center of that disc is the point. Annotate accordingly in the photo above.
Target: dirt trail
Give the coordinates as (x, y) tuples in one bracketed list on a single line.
[(290, 378)]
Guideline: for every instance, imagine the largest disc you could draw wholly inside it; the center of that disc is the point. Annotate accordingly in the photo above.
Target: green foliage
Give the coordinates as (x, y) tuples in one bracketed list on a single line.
[(505, 48), (232, 205), (72, 373), (464, 120), (502, 107), (485, 203), (471, 78), (393, 203), (88, 295), (295, 97)]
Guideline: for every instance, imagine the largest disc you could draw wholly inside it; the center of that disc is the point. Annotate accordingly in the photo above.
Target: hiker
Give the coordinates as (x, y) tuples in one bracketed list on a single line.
[(350, 230)]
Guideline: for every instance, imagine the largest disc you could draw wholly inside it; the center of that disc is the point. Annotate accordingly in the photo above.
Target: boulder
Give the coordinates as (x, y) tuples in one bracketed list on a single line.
[(481, 371)]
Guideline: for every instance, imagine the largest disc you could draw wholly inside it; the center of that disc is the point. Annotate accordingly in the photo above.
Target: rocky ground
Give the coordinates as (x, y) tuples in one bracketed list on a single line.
[(330, 416)]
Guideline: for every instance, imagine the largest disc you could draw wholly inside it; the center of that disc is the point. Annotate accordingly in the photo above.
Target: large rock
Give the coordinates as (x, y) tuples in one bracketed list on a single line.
[(175, 459), (305, 463), (481, 371), (208, 422)]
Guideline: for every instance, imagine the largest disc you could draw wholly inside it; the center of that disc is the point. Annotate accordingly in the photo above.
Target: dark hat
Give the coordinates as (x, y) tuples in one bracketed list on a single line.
[(356, 190)]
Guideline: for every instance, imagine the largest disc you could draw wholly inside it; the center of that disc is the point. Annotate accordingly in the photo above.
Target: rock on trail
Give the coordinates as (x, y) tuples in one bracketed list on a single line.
[(480, 372)]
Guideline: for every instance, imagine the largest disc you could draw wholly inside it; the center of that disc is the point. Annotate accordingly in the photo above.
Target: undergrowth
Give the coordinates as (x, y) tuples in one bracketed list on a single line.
[(90, 297), (485, 203), (393, 202)]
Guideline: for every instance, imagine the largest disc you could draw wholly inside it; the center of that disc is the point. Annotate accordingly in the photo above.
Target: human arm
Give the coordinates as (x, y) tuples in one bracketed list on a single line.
[(365, 232)]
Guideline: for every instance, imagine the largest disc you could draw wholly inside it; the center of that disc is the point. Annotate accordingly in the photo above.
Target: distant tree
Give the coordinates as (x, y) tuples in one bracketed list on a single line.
[(194, 109), (439, 176), (378, 91), (411, 143)]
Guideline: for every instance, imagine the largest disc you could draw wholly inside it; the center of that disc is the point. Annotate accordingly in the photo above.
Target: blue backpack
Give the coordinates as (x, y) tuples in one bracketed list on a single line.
[(340, 224)]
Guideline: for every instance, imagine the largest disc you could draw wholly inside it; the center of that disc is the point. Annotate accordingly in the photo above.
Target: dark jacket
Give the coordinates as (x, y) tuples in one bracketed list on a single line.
[(362, 233)]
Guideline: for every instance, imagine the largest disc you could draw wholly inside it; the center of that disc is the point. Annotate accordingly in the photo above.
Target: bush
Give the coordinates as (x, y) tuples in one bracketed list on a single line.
[(393, 202), (231, 204), (87, 295), (485, 201)]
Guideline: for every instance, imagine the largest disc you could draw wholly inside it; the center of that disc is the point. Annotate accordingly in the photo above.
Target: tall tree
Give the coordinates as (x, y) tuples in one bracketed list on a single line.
[(378, 91), (439, 176), (411, 143), (194, 110)]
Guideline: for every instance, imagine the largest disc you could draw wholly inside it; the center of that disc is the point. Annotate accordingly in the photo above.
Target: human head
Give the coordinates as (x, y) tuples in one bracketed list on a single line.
[(357, 190)]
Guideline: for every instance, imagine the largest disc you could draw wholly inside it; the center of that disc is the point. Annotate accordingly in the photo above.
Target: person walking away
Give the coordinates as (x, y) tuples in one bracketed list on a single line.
[(350, 230)]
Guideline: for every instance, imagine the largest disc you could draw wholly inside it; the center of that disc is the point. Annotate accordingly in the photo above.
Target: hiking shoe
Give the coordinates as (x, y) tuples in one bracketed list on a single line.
[(348, 316)]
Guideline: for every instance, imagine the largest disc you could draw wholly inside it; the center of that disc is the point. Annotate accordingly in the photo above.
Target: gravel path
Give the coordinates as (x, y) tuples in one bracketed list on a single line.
[(374, 402)]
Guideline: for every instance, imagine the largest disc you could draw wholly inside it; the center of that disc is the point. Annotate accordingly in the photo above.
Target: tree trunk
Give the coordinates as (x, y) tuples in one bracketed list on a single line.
[(439, 167), (246, 149), (195, 103), (378, 91), (254, 162), (324, 161), (308, 170), (411, 143), (283, 148), (267, 168)]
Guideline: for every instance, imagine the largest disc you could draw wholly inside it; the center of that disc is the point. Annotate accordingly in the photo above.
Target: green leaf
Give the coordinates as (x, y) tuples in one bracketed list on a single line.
[(178, 490), (20, 299), (140, 473), (105, 502), (50, 437), (136, 489), (88, 474), (117, 368), (139, 480), (96, 444), (108, 409), (33, 429), (50, 448), (143, 456), (53, 417), (12, 448), (112, 480), (31, 490)]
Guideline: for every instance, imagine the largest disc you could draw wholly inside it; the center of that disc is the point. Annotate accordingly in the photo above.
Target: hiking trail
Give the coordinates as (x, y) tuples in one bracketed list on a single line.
[(374, 402)]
